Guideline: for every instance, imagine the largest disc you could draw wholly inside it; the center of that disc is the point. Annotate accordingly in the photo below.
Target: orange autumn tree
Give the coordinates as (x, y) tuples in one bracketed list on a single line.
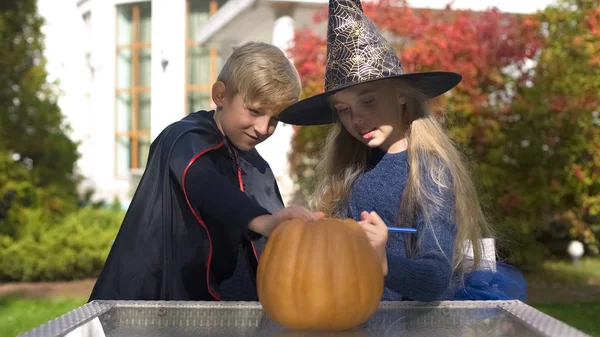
[(490, 49)]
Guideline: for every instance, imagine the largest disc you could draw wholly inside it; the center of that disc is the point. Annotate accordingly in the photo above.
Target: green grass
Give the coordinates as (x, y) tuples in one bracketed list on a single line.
[(568, 292), (20, 315), (565, 273), (583, 316)]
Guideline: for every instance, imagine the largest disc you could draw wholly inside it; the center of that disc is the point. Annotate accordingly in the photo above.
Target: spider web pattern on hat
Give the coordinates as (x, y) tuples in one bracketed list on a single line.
[(356, 50), (358, 53)]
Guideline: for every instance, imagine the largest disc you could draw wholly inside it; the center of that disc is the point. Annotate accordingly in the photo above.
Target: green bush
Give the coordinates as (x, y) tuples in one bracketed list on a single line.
[(74, 248)]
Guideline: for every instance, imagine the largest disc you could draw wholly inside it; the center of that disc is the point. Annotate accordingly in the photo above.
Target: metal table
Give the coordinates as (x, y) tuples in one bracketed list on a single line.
[(216, 319)]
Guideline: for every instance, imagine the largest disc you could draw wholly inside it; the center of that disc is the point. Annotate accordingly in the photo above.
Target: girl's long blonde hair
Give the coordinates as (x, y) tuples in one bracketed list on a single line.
[(344, 158)]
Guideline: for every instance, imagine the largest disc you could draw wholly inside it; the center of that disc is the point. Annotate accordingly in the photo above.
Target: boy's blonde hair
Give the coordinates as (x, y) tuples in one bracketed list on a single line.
[(344, 158), (261, 72)]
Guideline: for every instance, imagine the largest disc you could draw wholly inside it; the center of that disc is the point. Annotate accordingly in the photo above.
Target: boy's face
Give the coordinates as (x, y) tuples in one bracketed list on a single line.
[(245, 125), (371, 113)]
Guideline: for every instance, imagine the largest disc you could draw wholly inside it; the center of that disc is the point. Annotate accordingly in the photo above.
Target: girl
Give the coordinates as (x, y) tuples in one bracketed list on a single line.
[(389, 156), (388, 161)]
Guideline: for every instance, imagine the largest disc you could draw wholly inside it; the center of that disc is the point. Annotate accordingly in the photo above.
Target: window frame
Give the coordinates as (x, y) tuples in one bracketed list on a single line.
[(136, 47), (191, 42)]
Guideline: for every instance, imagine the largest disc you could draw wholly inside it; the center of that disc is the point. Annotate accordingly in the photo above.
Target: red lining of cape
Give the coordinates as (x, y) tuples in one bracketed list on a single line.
[(199, 218)]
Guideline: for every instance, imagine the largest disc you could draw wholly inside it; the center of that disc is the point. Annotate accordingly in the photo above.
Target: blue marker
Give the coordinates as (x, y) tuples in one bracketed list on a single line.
[(401, 230)]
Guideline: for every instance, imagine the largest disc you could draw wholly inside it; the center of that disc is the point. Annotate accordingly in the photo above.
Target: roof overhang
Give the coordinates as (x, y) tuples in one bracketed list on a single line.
[(223, 17)]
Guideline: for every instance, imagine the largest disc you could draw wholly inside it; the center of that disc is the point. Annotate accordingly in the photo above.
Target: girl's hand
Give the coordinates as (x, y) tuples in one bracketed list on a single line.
[(377, 232)]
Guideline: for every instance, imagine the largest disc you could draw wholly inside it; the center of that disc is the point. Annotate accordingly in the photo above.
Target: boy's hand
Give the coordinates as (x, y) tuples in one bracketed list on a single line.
[(265, 224), (377, 232), (295, 211)]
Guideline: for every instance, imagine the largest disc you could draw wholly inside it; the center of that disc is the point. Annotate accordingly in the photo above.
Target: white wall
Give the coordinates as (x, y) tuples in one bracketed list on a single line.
[(65, 46), (168, 85), (94, 123)]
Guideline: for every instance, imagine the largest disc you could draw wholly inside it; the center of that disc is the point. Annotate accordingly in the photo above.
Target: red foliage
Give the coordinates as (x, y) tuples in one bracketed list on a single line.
[(478, 45), (577, 172), (592, 21), (308, 52), (509, 202)]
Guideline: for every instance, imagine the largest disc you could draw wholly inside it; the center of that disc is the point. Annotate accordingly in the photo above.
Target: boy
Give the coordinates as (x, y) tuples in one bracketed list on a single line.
[(206, 193)]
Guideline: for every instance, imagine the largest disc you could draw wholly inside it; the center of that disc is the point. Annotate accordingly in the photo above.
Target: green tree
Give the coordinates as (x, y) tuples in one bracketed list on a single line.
[(550, 152), (33, 131)]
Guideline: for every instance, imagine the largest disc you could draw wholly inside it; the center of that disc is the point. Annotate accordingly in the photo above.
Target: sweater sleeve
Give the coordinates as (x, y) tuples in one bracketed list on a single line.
[(427, 275), (209, 190)]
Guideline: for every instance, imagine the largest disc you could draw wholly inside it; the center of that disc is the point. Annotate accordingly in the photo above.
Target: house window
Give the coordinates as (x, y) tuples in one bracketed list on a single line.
[(202, 61), (133, 73)]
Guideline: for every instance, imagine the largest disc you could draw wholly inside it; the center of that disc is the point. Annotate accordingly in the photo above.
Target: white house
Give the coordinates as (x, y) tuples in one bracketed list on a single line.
[(128, 68)]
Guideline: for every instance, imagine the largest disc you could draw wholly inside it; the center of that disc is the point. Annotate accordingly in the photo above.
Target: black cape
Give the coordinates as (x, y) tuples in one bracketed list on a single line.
[(166, 249)]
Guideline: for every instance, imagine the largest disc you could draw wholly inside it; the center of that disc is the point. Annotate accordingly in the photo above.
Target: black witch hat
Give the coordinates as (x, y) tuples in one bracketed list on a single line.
[(357, 53)]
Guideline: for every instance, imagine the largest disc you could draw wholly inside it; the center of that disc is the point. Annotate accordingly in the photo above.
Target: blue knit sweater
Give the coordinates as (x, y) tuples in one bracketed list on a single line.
[(426, 276)]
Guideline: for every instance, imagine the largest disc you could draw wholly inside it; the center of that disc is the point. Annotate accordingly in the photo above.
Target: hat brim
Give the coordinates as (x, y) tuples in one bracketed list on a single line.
[(316, 110)]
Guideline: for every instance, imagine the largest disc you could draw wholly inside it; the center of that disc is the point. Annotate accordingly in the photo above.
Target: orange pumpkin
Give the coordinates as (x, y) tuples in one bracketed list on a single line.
[(319, 275)]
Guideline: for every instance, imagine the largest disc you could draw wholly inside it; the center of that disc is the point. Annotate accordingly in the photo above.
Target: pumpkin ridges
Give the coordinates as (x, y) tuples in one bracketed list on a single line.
[(261, 272), (299, 287), (361, 244), (337, 252), (345, 260), (285, 266), (360, 294), (372, 272), (352, 285), (363, 284), (337, 291), (376, 281), (335, 282), (272, 287), (315, 274), (340, 263), (323, 279)]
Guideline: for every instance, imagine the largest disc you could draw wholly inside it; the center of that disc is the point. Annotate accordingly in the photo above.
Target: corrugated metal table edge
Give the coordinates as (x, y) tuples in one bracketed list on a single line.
[(541, 322), (70, 321)]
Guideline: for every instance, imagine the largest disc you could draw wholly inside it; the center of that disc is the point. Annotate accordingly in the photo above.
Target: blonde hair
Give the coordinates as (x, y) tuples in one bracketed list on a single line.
[(261, 72), (344, 158)]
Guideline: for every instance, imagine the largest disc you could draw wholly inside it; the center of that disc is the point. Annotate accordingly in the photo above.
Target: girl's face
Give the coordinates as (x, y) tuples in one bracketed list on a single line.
[(372, 113)]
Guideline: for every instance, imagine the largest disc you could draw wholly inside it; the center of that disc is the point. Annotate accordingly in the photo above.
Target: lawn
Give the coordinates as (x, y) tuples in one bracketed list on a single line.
[(18, 315), (568, 292), (583, 316), (566, 273)]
